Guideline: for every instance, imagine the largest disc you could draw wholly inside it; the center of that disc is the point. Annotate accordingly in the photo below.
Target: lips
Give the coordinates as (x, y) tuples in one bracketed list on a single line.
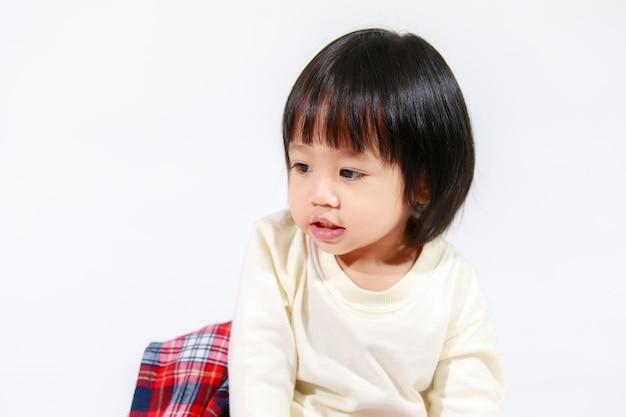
[(325, 230)]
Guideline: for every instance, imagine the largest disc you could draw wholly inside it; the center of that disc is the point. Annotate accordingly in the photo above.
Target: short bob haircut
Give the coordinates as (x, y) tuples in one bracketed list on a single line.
[(393, 94)]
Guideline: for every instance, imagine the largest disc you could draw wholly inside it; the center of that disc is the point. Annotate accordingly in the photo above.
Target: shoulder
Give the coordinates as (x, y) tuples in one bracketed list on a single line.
[(278, 222), (278, 230), (455, 273), (452, 271), (439, 254), (278, 243)]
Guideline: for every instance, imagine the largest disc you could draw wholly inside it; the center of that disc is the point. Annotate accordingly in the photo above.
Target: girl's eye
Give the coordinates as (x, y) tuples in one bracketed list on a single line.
[(301, 168), (350, 175)]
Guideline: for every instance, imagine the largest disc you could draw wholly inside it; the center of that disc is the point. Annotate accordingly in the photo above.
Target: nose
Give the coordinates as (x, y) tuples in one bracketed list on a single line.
[(323, 193)]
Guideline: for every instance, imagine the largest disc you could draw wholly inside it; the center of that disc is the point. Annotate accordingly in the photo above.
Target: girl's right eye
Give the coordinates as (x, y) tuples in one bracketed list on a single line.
[(301, 168)]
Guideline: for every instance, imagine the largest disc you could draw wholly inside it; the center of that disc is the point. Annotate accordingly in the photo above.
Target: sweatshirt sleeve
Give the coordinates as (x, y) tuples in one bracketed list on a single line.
[(468, 381), (262, 354)]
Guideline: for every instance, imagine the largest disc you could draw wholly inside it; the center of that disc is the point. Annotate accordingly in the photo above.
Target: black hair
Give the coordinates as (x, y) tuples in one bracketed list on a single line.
[(393, 94)]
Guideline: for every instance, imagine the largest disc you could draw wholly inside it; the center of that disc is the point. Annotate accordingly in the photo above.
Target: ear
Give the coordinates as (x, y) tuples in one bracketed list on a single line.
[(422, 196)]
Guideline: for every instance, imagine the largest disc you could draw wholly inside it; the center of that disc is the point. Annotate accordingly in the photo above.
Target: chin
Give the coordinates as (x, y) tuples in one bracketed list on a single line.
[(330, 248)]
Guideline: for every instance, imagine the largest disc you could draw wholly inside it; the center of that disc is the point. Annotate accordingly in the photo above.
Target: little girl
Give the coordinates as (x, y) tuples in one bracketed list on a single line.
[(350, 303)]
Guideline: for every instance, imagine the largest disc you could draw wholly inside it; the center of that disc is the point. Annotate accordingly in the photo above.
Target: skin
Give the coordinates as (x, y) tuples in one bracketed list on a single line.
[(352, 205)]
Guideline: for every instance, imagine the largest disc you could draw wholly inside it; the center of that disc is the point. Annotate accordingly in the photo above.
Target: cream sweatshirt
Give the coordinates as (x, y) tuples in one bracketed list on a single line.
[(306, 341)]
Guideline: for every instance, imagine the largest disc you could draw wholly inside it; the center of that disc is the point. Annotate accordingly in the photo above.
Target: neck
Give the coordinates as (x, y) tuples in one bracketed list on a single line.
[(375, 272)]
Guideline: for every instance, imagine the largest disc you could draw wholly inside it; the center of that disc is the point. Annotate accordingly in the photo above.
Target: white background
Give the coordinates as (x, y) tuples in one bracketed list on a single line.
[(139, 140)]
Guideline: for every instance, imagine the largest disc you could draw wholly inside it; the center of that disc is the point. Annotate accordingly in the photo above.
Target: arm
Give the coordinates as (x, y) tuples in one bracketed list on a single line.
[(262, 358), (468, 381)]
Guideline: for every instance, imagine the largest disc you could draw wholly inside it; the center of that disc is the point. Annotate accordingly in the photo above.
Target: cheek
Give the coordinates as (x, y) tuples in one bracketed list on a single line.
[(388, 205), (296, 202)]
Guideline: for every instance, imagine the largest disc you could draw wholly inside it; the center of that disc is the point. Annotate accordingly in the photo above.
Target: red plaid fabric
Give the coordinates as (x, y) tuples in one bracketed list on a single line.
[(186, 376)]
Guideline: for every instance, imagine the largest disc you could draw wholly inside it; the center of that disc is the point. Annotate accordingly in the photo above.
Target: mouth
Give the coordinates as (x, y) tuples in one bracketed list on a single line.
[(325, 230), (325, 225)]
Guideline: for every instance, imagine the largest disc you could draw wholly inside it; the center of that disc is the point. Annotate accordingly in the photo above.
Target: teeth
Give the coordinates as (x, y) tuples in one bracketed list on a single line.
[(326, 225)]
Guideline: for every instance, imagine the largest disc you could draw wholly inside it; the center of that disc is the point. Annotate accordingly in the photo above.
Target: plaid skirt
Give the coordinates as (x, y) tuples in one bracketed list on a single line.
[(186, 376)]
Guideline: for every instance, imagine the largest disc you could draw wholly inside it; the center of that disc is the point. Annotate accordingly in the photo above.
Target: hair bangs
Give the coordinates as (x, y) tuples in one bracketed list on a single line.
[(334, 107)]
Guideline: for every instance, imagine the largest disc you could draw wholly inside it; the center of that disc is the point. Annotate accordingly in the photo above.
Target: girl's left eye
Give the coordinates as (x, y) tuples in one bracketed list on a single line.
[(350, 175)]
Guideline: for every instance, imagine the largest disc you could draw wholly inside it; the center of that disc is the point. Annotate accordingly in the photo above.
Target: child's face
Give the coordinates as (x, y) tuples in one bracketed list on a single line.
[(349, 203)]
